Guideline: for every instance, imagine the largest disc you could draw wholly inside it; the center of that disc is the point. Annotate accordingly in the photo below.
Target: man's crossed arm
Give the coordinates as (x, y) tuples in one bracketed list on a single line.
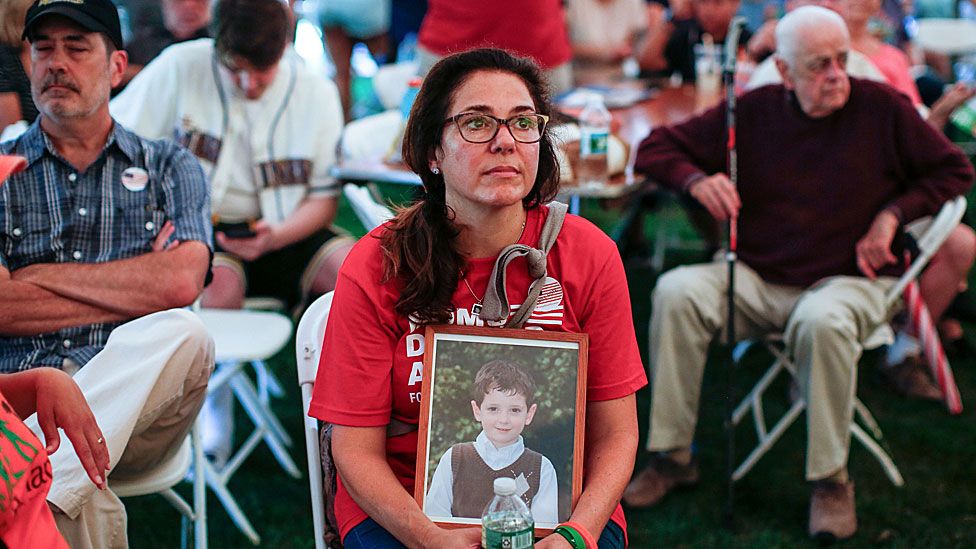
[(46, 297)]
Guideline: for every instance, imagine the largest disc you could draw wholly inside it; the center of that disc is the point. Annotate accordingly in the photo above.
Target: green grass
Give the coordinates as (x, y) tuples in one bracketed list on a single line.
[(936, 454)]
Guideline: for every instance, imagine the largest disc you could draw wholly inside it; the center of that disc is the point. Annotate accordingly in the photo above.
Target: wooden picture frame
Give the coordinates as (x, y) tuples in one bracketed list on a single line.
[(552, 423)]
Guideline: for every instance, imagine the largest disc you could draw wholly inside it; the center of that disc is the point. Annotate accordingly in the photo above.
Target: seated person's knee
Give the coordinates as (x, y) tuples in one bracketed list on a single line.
[(960, 247), (182, 325), (813, 317), (675, 286)]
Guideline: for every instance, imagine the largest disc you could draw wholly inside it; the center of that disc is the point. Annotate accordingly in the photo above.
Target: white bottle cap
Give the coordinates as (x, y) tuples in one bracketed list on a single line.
[(504, 486)]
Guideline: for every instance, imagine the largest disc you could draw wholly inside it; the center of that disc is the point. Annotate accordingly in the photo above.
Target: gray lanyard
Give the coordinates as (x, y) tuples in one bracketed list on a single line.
[(495, 306)]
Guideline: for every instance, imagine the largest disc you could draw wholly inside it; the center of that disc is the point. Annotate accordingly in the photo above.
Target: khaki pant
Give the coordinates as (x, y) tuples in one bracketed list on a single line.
[(145, 389), (824, 326)]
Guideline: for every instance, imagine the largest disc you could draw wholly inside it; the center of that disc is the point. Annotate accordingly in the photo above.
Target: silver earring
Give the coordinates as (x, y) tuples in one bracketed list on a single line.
[(435, 170)]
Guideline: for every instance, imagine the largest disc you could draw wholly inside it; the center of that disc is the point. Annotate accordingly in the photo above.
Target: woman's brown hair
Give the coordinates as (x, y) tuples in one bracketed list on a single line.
[(420, 242)]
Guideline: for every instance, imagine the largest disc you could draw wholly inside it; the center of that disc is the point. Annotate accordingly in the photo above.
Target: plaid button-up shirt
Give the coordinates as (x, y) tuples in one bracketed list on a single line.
[(51, 213)]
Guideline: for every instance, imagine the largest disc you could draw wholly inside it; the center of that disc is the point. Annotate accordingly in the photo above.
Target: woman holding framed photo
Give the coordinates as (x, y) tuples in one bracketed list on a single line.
[(477, 136)]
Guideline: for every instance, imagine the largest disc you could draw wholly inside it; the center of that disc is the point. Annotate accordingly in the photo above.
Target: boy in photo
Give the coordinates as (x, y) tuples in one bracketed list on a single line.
[(503, 403)]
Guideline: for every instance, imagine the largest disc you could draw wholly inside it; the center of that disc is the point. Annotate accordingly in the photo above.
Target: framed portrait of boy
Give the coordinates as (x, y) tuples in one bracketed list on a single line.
[(501, 403)]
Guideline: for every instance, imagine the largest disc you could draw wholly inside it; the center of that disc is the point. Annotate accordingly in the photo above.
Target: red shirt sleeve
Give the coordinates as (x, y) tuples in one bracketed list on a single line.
[(360, 340), (599, 286)]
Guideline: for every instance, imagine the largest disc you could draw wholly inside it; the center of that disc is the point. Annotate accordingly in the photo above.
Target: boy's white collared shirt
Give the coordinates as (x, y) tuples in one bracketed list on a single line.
[(440, 496), (496, 458)]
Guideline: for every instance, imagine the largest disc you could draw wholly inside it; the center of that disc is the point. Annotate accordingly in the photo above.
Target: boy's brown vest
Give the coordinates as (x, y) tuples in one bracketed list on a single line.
[(474, 480)]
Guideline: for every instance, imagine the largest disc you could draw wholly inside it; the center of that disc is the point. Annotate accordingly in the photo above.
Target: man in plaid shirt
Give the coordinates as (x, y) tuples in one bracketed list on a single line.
[(103, 238)]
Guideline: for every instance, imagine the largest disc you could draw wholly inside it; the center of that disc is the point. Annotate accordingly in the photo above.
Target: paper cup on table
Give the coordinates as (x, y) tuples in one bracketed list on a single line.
[(10, 165)]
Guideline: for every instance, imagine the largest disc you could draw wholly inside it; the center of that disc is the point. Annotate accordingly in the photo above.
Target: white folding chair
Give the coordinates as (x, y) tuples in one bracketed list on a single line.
[(308, 349), (929, 233), (248, 337), (168, 474), (370, 212)]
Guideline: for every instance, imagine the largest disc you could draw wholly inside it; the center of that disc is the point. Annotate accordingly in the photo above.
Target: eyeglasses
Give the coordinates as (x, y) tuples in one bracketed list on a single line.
[(477, 127)]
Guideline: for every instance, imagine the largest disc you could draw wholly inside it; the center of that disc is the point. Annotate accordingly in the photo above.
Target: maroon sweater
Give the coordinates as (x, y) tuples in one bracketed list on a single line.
[(811, 187)]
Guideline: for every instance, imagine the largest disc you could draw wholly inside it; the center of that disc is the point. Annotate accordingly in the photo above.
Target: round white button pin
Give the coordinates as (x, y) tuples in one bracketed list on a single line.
[(135, 179)]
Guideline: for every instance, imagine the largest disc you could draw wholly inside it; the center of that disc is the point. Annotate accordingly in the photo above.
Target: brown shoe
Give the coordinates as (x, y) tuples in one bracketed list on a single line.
[(832, 514), (659, 477), (911, 379)]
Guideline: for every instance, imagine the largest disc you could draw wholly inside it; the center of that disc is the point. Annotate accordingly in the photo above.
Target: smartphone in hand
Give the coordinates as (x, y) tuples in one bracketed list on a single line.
[(237, 229)]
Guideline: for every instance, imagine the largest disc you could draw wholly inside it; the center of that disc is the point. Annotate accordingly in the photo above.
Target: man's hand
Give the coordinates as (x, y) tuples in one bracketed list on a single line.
[(718, 195), (874, 248), (251, 248), (159, 243), (60, 403)]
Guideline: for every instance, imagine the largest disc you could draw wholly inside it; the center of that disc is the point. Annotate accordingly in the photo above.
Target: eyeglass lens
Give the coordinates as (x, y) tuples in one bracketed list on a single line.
[(482, 128)]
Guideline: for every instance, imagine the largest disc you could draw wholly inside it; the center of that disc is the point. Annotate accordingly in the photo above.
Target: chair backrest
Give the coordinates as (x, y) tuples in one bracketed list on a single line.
[(308, 351), (371, 213), (308, 339), (929, 234)]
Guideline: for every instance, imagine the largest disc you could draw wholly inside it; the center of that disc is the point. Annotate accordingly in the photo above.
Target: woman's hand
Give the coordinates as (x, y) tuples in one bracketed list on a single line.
[(461, 538), (60, 403), (553, 541)]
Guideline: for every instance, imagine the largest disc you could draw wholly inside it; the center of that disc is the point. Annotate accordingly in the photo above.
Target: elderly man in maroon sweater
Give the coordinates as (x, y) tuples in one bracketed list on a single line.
[(829, 168)]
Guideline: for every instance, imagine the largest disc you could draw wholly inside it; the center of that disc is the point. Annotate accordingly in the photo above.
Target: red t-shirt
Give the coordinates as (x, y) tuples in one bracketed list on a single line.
[(535, 29), (25, 519), (373, 367)]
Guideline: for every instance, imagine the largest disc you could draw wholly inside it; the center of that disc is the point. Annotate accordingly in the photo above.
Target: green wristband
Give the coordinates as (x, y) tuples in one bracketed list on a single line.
[(571, 535)]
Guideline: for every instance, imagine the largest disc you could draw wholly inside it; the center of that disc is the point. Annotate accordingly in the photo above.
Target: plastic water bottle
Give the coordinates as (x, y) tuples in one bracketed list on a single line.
[(406, 103), (594, 141), (506, 522)]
